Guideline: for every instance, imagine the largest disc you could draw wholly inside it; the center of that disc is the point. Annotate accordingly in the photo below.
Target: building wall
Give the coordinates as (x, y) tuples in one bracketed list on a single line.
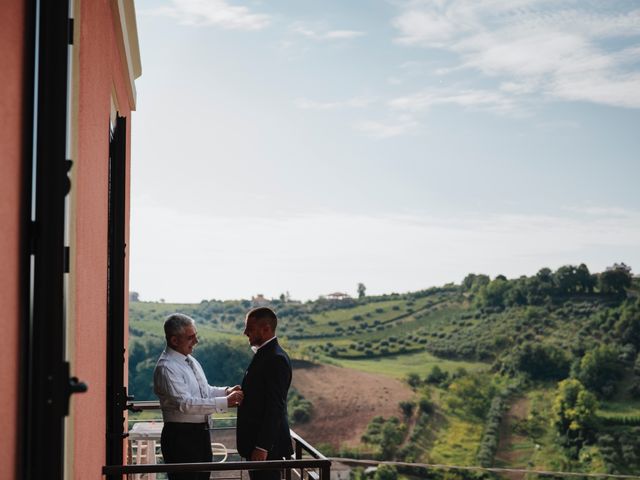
[(101, 80), (12, 20)]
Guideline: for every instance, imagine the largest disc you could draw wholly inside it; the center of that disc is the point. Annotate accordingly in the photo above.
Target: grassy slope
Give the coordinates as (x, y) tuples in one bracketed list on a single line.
[(148, 318), (439, 319), (621, 405), (618, 408), (398, 366), (456, 442)]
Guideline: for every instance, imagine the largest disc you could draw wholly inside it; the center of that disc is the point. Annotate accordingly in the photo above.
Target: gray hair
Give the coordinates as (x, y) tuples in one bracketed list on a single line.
[(176, 323)]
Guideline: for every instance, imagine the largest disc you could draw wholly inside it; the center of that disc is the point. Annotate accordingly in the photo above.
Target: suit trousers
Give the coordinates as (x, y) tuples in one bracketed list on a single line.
[(266, 474), (186, 443)]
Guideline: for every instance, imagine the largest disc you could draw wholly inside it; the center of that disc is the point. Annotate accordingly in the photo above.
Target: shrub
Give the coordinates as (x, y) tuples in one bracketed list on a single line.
[(541, 362), (413, 379), (425, 405), (599, 369), (471, 394), (407, 408), (386, 472), (436, 376), (574, 410), (299, 408), (489, 442), (300, 414)]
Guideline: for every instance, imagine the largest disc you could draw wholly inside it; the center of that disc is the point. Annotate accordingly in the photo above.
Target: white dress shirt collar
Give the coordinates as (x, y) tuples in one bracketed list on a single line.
[(255, 349), (175, 354)]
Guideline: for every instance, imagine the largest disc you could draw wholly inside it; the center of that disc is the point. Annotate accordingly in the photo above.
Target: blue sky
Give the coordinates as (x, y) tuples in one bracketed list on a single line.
[(307, 146)]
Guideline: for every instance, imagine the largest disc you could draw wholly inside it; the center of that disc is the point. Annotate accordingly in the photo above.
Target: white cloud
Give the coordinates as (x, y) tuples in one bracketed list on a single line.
[(339, 34), (355, 102), (532, 55), (620, 91), (394, 128), (318, 34), (519, 88), (218, 13), (474, 99), (590, 24), (425, 28), (535, 46)]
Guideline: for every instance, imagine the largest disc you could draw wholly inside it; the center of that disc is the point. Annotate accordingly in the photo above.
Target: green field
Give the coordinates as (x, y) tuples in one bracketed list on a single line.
[(456, 442), (629, 408), (398, 366), (147, 318)]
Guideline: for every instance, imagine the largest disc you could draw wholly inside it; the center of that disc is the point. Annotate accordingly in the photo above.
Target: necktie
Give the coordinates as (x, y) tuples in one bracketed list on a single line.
[(202, 383)]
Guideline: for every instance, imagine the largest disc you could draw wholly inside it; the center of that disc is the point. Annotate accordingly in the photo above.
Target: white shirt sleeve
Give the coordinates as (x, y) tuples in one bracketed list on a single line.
[(218, 392), (173, 392)]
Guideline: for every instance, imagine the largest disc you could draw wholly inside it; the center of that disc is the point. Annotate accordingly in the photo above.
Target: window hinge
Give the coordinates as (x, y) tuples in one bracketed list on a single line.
[(67, 180)]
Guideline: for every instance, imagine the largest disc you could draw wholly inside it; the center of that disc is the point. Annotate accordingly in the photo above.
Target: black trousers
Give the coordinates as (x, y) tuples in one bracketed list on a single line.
[(186, 443), (266, 474)]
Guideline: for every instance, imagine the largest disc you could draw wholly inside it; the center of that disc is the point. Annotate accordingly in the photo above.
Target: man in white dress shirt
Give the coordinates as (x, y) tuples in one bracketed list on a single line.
[(186, 398)]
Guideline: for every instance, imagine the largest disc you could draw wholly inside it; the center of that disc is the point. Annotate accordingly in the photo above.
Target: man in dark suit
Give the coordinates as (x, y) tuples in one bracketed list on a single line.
[(263, 427)]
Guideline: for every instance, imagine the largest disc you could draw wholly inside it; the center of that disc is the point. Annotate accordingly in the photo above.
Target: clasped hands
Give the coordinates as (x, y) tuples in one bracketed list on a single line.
[(234, 396)]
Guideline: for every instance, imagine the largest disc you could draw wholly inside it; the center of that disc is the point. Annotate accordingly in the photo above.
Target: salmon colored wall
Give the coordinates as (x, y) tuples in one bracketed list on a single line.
[(11, 79), (101, 72)]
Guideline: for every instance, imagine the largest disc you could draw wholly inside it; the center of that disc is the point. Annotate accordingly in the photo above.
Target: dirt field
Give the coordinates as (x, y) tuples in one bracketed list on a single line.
[(344, 401)]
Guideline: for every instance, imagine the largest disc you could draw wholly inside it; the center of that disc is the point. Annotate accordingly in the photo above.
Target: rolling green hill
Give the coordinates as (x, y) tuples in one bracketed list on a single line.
[(497, 365)]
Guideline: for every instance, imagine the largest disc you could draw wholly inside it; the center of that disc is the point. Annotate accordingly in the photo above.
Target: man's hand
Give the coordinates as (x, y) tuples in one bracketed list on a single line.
[(258, 455), (235, 398), (233, 389)]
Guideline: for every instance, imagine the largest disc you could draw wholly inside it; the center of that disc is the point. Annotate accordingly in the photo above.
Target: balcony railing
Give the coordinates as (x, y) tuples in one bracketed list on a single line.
[(307, 464)]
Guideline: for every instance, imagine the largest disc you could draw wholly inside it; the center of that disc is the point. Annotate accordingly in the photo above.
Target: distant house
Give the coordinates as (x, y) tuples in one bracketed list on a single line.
[(260, 301), (337, 296)]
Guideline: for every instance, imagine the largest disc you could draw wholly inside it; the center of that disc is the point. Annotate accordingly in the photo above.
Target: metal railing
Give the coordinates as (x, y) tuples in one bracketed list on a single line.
[(318, 467), (300, 466)]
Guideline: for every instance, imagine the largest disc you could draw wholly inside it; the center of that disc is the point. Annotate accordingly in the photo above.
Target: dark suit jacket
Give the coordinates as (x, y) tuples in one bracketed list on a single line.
[(262, 416)]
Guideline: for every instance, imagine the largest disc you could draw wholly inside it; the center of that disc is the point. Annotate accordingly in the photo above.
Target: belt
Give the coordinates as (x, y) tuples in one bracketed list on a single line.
[(187, 425)]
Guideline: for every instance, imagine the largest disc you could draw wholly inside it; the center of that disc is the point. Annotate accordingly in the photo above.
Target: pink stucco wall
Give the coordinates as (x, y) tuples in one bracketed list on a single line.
[(11, 80), (101, 71)]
